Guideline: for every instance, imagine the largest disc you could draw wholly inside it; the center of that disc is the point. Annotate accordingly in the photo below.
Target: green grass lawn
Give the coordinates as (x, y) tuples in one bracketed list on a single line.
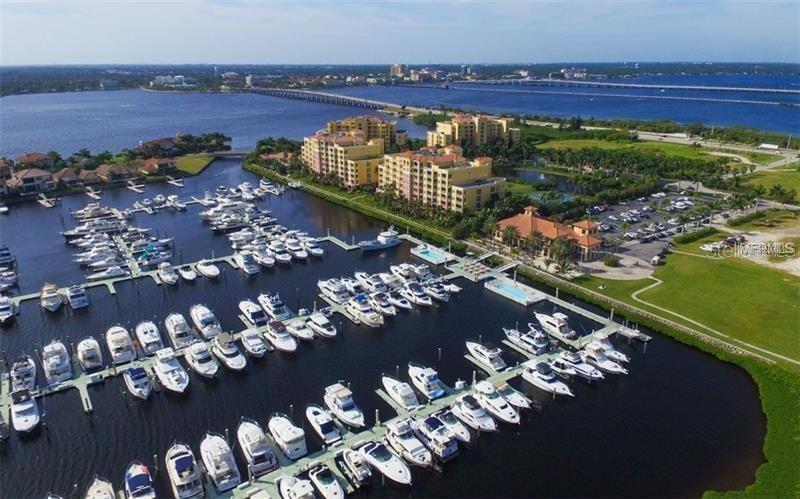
[(193, 164), (774, 220), (518, 189), (788, 178)]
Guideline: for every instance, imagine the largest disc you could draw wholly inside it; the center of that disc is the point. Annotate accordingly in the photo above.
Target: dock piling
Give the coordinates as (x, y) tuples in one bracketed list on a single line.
[(377, 417)]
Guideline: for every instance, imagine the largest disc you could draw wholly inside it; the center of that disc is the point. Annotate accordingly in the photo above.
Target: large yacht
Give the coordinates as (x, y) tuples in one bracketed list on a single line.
[(56, 363), (325, 482), (120, 345), (148, 337), (137, 382), (274, 306), (23, 373), (384, 461), (253, 343), (257, 452), (541, 375), (199, 358), (471, 413), (494, 403), (89, 355), (533, 342), (205, 321), (436, 437), (401, 438), (225, 349), (290, 438), (361, 311), (582, 368), (453, 424), (166, 273), (207, 269), (246, 263), (426, 380), (400, 392), (488, 356), (253, 313), (339, 399), (24, 411), (180, 334), (414, 293), (170, 372), (334, 290), (219, 462), (50, 297), (320, 324), (7, 310), (323, 424), (595, 355), (77, 297), (183, 472), (138, 482), (386, 239), (556, 325), (279, 337), (380, 302)]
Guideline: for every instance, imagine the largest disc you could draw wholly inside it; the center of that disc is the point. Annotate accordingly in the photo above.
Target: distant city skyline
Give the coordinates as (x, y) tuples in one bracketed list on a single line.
[(327, 32)]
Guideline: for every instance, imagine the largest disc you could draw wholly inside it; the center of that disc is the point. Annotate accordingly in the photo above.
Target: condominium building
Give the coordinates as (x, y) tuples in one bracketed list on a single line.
[(442, 178), (372, 127), (398, 70), (472, 131), (348, 155)]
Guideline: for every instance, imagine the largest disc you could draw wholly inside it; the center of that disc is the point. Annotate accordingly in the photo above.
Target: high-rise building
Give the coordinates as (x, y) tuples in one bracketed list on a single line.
[(472, 131), (372, 127), (398, 70), (347, 155)]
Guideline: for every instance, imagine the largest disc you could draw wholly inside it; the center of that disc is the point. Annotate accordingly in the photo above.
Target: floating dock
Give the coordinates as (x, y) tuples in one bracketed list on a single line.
[(514, 291)]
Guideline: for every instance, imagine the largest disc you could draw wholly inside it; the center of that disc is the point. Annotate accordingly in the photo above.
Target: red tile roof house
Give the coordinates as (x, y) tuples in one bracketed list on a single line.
[(88, 177), (5, 168), (67, 177), (157, 166), (581, 235), (31, 180), (114, 173), (35, 160)]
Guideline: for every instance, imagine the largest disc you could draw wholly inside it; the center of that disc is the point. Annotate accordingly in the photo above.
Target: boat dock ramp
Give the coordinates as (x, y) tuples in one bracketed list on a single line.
[(137, 188), (177, 182), (46, 201)]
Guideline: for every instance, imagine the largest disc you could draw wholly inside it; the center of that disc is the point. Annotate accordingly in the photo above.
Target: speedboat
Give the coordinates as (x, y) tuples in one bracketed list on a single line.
[(582, 368), (514, 397), (494, 403), (562, 367), (180, 334), (148, 336), (380, 302), (436, 291), (263, 258), (24, 411), (436, 437), (138, 482), (274, 306), (253, 343), (354, 466), (167, 274), (183, 472), (339, 400), (290, 438), (7, 310), (50, 298), (207, 269), (219, 462), (225, 349), (56, 363), (451, 287), (23, 373), (290, 487), (401, 438), (205, 321), (595, 355), (169, 371), (245, 262), (540, 375), (257, 452), (325, 482), (253, 313), (89, 355), (280, 338), (471, 413), (426, 380), (300, 330), (137, 382), (334, 290), (556, 325), (386, 239), (77, 297), (321, 325), (400, 392), (187, 273), (398, 300), (200, 359), (452, 423), (323, 424), (488, 356), (110, 272), (414, 293), (359, 309), (100, 488), (120, 345), (534, 343), (385, 462), (611, 352)]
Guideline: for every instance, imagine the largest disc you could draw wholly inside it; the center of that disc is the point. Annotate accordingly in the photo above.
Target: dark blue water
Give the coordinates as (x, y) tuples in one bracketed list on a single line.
[(679, 424)]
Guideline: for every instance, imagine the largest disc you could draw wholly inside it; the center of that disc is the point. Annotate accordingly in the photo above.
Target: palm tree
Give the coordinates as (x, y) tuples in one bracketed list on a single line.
[(563, 266), (560, 249), (510, 234), (489, 226), (535, 242)]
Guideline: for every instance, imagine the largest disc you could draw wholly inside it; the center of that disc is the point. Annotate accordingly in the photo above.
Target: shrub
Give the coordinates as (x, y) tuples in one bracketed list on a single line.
[(691, 237), (611, 260)]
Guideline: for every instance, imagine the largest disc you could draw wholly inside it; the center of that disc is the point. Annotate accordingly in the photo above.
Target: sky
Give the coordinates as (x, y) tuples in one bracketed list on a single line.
[(415, 32)]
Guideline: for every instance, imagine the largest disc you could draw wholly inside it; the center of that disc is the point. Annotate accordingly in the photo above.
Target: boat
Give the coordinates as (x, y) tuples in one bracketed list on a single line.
[(50, 298), (137, 382), (290, 487), (334, 290), (183, 472), (290, 438), (402, 440), (472, 414), (514, 397), (488, 356), (24, 411), (187, 273), (100, 488), (96, 226), (279, 337), (403, 271), (380, 302), (219, 462), (436, 437), (371, 283), (321, 325), (562, 367), (253, 343), (138, 482), (595, 355), (323, 424), (426, 380), (7, 258), (451, 288), (400, 392), (353, 286), (339, 400), (556, 325), (313, 248), (533, 342), (453, 424), (436, 291), (120, 345), (245, 262), (278, 252), (109, 273), (207, 269), (325, 482), (494, 403), (225, 349), (253, 313), (77, 297), (166, 274), (89, 355), (414, 293), (263, 258), (422, 272), (540, 375), (205, 321), (169, 371), (354, 467), (386, 239), (359, 309), (395, 298), (296, 249), (385, 462), (199, 358), (7, 310), (274, 306), (582, 368), (56, 363), (148, 337), (257, 452), (178, 330), (611, 352), (299, 329), (23, 373)]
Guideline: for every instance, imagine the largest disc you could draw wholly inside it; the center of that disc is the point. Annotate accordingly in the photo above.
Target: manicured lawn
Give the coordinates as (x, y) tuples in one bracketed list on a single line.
[(773, 220), (787, 178), (193, 164), (519, 189), (582, 143)]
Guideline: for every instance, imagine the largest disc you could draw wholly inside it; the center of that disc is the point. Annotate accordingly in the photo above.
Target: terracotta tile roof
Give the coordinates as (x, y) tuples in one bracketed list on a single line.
[(33, 157), (585, 224), (31, 173), (528, 223), (66, 174)]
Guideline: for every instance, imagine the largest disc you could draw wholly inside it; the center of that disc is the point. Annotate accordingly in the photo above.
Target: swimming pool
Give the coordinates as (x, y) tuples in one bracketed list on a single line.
[(432, 254)]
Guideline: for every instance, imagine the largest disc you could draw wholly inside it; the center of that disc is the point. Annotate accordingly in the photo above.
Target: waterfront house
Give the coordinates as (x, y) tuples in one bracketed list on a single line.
[(157, 166), (5, 169), (114, 173), (31, 180), (582, 235), (283, 157), (159, 147), (35, 160), (67, 177), (88, 177)]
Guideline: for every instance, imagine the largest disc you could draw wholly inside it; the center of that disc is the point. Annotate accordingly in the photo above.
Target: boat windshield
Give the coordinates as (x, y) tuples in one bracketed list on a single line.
[(327, 427), (380, 453), (325, 477), (447, 418), (347, 405), (208, 320)]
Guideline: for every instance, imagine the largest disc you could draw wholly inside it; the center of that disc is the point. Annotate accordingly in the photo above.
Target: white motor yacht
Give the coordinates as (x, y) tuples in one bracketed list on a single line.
[(561, 367), (100, 488), (540, 375), (436, 291), (321, 325), (23, 373), (611, 352), (296, 249), (323, 424), (199, 358), (494, 403), (89, 355), (137, 382), (278, 252), (253, 313), (263, 258), (205, 321), (24, 411), (353, 286), (595, 355), (471, 413), (148, 336), (404, 271), (77, 297), (178, 330), (414, 293), (530, 342), (279, 337), (257, 452), (582, 368), (339, 400), (386, 239), (7, 310), (313, 248), (400, 392), (290, 438), (274, 306), (488, 356), (138, 482), (225, 349), (514, 397), (325, 482), (119, 343), (380, 302), (402, 440), (371, 283), (50, 298), (359, 309), (183, 472), (556, 325), (385, 462), (453, 424), (109, 273), (245, 262), (219, 462), (207, 269), (56, 363), (253, 343), (187, 273), (355, 467), (423, 272), (396, 298), (166, 274), (436, 437), (299, 329), (7, 258), (290, 487), (426, 380), (334, 290), (170, 372)]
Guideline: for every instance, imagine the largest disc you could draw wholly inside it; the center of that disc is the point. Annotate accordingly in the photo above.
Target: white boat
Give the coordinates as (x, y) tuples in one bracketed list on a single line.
[(353, 286), (109, 273), (299, 329), (201, 361), (290, 438), (313, 248), (533, 342), (436, 437), (187, 274), (50, 298), (7, 257), (611, 352), (423, 272), (471, 413), (436, 291), (386, 239), (257, 452), (170, 372), (178, 330), (398, 300), (253, 313), (355, 467), (295, 248), (138, 482), (494, 403), (426, 380), (404, 271), (205, 321), (148, 336), (371, 283), (183, 472), (7, 310), (380, 302), (290, 487), (137, 382), (414, 293), (89, 355), (56, 363), (400, 392), (279, 337), (339, 400), (23, 373), (453, 424), (595, 355), (245, 262), (167, 274), (100, 488), (24, 411), (562, 367), (253, 343), (582, 368), (322, 424), (556, 325), (219, 462), (207, 269), (514, 397), (321, 325), (334, 290), (385, 462), (263, 258), (402, 440), (77, 297), (325, 482), (278, 251), (540, 375), (451, 288), (119, 343), (225, 349), (489, 357), (359, 309), (274, 306)]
